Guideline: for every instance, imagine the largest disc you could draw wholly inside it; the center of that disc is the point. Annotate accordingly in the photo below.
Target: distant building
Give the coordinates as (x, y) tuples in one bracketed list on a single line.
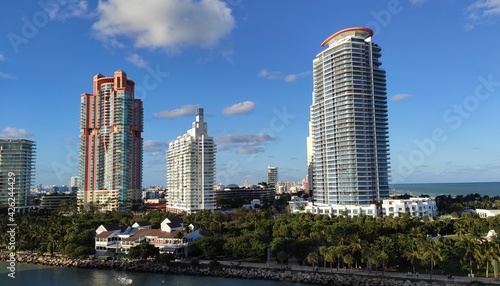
[(272, 176), (416, 207), (111, 122), (483, 213), (191, 169), (246, 195), (73, 184), (333, 210), (53, 202), (348, 149), (152, 193), (17, 172)]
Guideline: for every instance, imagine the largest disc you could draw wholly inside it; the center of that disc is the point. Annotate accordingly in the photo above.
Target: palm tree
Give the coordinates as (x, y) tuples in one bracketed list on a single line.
[(382, 259), (349, 259), (312, 258), (430, 250), (409, 243), (367, 254), (355, 246), (491, 251), (339, 251), (330, 256), (323, 250)]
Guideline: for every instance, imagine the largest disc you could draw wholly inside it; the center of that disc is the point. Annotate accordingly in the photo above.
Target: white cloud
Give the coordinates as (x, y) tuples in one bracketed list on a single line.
[(484, 8), (65, 9), (154, 147), (7, 76), (273, 75), (270, 74), (245, 149), (293, 77), (137, 60), (480, 11), (417, 2), (247, 138), (401, 96), (239, 108), (164, 24), (243, 144), (186, 110), (10, 132), (223, 147), (2, 57)]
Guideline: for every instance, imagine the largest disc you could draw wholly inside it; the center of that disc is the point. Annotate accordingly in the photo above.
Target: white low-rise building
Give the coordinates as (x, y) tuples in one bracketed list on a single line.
[(416, 207), (171, 238), (483, 213), (298, 206)]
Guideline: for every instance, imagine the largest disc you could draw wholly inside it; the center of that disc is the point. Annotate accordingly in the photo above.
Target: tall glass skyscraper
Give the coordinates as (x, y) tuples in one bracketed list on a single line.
[(111, 124), (272, 176), (17, 171), (191, 169), (348, 145)]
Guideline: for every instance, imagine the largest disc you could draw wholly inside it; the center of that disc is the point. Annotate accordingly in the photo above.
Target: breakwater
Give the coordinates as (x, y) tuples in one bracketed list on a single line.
[(305, 277)]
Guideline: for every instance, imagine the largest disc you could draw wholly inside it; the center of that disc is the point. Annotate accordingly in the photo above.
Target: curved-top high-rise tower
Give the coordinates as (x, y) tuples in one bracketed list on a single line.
[(349, 129), (111, 123)]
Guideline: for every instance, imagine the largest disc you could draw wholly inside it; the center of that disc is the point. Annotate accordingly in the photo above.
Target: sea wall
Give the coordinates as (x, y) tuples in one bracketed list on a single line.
[(315, 278)]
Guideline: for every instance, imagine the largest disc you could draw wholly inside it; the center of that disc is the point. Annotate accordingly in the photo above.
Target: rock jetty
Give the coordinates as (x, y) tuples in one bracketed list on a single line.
[(315, 278)]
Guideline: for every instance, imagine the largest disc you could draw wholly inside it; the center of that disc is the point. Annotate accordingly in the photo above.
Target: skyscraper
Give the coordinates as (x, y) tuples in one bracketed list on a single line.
[(111, 123), (349, 131), (272, 176), (191, 169), (17, 171)]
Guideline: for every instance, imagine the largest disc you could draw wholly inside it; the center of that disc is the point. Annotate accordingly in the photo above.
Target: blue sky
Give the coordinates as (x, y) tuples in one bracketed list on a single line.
[(248, 64)]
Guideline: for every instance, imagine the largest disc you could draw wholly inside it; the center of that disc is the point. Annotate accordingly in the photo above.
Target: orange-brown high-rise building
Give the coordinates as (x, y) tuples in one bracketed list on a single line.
[(111, 123)]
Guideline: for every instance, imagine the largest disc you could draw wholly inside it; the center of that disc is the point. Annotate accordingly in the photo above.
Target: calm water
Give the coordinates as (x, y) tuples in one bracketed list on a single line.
[(45, 275), (453, 189)]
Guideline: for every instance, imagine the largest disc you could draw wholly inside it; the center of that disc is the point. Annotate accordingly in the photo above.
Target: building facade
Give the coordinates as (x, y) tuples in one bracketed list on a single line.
[(272, 176), (348, 148), (416, 207), (110, 163), (191, 169), (17, 172)]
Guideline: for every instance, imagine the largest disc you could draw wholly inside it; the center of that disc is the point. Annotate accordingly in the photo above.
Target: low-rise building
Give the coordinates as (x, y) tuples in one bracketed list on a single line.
[(170, 238), (416, 207), (487, 213), (341, 210), (54, 201), (235, 192)]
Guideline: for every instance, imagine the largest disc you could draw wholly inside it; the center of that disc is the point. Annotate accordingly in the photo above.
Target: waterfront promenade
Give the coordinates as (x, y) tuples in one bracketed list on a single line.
[(458, 280)]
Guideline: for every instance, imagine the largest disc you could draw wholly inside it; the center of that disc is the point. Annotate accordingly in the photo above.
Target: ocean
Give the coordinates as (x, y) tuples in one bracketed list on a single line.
[(39, 275), (435, 189)]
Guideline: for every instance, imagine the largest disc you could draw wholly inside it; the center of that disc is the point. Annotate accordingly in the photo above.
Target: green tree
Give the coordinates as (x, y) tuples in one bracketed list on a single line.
[(210, 246), (349, 260), (144, 250), (431, 250), (323, 250), (312, 258)]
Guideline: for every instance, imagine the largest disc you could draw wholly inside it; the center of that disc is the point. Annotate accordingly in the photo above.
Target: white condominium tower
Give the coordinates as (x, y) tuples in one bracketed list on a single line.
[(191, 169), (349, 135)]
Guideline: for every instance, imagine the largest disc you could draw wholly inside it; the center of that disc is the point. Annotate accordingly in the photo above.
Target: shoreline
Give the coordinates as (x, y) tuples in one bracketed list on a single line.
[(224, 271)]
